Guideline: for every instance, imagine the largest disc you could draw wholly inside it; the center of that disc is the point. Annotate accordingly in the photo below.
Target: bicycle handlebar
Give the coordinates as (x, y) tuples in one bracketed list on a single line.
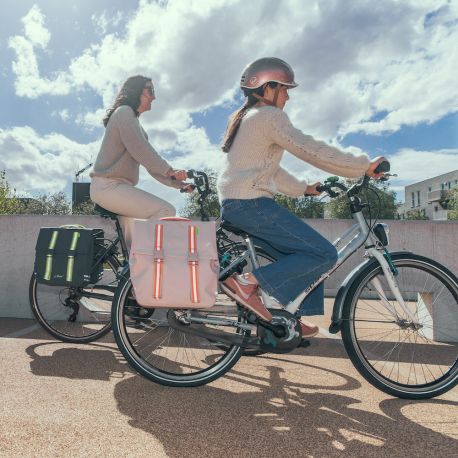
[(332, 182)]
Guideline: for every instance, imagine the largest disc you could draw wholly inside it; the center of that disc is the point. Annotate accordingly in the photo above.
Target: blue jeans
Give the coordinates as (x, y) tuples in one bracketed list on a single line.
[(302, 254)]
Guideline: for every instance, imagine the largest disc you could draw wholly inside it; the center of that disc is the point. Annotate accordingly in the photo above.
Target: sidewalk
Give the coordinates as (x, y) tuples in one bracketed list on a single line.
[(67, 400)]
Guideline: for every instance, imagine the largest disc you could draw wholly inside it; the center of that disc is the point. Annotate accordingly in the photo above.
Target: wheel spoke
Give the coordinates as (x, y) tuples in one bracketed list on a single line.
[(399, 357)]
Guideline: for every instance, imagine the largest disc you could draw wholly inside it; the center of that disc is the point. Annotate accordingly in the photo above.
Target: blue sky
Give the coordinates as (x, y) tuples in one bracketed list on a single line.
[(375, 77)]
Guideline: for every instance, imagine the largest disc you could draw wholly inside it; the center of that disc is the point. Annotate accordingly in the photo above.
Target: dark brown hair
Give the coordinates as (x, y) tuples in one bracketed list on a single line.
[(253, 97), (129, 94)]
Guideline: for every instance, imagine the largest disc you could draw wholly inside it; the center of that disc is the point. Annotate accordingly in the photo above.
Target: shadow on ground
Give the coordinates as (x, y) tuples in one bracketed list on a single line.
[(280, 417), (264, 413)]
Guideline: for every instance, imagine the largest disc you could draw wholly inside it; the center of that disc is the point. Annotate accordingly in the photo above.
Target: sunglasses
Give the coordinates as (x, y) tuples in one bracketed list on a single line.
[(150, 90)]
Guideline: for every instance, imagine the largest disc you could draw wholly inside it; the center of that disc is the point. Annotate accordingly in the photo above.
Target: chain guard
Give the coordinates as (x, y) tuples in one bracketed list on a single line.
[(293, 335)]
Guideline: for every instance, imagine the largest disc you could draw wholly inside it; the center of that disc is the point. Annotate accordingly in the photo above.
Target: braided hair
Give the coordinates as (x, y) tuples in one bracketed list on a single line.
[(253, 97)]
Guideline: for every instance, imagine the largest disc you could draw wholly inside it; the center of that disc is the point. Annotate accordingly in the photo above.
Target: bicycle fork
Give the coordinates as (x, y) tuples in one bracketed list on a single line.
[(392, 283)]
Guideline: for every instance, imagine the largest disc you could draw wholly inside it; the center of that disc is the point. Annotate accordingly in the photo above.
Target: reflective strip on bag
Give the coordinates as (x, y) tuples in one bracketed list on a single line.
[(48, 265), (157, 285), (193, 263), (71, 258)]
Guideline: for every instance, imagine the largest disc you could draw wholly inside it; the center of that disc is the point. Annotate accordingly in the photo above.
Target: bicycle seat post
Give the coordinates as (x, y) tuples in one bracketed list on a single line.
[(122, 241), (104, 213)]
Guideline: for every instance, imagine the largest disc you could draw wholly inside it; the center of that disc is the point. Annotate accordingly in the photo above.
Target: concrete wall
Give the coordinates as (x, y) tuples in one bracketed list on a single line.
[(18, 234)]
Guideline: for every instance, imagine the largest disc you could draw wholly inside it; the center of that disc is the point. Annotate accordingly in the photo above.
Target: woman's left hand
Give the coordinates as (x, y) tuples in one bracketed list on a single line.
[(311, 190)]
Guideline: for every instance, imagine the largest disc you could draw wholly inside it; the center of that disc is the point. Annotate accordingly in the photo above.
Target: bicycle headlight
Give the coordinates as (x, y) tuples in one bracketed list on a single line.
[(381, 231)]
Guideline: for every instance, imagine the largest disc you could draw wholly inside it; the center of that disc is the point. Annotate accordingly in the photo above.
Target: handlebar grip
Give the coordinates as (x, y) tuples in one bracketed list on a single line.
[(383, 167), (321, 188), (189, 185)]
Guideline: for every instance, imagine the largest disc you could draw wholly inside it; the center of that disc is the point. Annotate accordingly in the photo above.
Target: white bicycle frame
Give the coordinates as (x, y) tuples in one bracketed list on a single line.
[(356, 236)]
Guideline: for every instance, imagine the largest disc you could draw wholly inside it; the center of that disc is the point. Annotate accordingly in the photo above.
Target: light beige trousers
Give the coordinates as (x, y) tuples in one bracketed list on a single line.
[(129, 202)]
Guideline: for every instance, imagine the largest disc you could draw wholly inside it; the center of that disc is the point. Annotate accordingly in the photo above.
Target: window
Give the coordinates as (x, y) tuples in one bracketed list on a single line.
[(418, 198), (430, 189), (413, 199), (449, 185)]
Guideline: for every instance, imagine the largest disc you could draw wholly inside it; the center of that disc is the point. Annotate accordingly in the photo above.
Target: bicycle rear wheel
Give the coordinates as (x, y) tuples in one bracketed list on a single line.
[(170, 356), (401, 359), (68, 314)]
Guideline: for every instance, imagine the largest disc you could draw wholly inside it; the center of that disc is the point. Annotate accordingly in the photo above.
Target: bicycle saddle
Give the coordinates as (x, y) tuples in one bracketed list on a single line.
[(104, 212), (235, 230)]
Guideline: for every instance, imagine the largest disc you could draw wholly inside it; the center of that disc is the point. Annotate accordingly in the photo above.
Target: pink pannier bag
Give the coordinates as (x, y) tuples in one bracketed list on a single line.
[(174, 263)]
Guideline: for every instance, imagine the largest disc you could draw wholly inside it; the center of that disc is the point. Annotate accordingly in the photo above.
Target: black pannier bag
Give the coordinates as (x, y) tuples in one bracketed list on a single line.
[(65, 256)]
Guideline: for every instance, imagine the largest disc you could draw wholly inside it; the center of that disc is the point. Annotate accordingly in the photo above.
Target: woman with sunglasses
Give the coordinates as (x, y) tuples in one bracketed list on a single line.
[(124, 148), (254, 143)]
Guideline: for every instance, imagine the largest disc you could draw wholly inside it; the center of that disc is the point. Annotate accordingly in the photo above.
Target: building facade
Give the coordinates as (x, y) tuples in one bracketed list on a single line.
[(429, 197)]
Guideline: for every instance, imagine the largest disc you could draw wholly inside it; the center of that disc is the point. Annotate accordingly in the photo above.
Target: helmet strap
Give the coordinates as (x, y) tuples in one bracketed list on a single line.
[(277, 91), (267, 101), (262, 99)]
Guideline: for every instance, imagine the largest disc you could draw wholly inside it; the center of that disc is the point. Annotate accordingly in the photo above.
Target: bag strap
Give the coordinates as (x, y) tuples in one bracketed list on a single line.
[(72, 226), (49, 255), (158, 261), (193, 261)]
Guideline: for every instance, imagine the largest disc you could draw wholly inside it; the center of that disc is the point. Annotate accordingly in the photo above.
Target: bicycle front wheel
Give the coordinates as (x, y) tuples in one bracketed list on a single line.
[(77, 315), (413, 359), (170, 356)]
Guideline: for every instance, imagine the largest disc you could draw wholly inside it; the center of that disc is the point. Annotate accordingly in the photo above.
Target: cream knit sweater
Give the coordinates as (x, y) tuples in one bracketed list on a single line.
[(252, 165), (124, 147)]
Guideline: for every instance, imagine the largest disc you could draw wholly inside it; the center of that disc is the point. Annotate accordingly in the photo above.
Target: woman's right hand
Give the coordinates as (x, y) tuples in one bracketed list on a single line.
[(179, 175), (374, 164)]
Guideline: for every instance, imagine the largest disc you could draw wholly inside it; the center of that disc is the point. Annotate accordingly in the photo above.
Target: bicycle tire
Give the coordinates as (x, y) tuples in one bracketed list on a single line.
[(421, 363), (50, 310), (150, 344)]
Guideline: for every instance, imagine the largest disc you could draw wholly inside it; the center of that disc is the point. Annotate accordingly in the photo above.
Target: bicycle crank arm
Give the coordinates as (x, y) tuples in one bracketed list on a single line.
[(212, 334)]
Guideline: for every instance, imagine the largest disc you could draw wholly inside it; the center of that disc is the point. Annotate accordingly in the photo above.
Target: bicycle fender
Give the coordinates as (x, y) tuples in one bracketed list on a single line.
[(336, 319)]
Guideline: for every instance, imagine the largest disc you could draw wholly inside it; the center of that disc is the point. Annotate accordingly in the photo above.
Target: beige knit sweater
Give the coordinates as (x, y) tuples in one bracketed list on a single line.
[(124, 147), (252, 165)]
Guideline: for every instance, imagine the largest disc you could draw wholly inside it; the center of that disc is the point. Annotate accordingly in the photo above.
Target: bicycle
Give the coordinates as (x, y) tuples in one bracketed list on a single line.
[(395, 311), (82, 315)]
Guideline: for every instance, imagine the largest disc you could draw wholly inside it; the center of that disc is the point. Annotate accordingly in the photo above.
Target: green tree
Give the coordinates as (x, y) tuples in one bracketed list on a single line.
[(416, 214), (9, 203), (84, 208), (379, 196), (452, 204), (303, 207), (47, 204)]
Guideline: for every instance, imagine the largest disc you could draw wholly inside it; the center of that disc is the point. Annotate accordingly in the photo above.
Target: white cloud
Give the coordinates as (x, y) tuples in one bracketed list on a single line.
[(28, 82), (352, 62), (103, 21), (34, 28), (62, 114), (41, 164), (413, 165)]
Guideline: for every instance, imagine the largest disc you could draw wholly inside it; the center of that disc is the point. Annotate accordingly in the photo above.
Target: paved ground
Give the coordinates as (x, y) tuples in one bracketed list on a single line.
[(66, 400)]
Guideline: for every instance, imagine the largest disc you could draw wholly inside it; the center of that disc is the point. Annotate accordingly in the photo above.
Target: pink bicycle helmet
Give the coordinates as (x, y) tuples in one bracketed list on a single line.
[(265, 70)]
